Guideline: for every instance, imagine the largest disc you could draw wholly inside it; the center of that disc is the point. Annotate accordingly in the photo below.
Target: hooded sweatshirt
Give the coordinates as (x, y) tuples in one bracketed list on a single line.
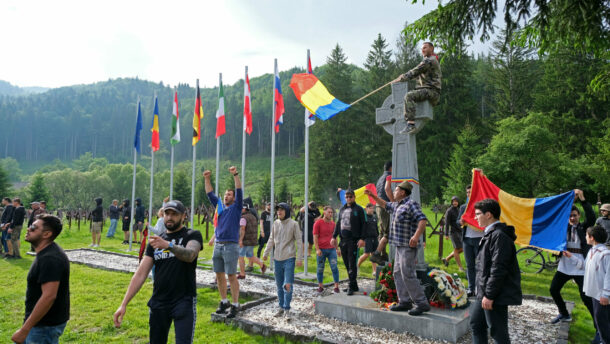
[(284, 235), (139, 210), (98, 213), (126, 211)]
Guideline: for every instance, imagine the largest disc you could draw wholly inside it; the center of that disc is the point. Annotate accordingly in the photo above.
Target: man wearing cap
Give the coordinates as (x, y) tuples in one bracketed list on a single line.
[(407, 226), (351, 225), (174, 256), (604, 220), (248, 229), (226, 244)]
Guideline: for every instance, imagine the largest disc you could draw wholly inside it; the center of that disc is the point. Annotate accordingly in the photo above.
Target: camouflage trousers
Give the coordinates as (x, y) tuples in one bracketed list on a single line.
[(416, 96)]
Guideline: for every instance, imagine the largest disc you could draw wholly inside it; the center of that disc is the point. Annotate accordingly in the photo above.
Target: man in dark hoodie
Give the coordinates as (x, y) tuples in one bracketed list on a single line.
[(97, 219), (15, 228), (126, 216), (138, 225), (351, 225), (498, 277), (5, 221)]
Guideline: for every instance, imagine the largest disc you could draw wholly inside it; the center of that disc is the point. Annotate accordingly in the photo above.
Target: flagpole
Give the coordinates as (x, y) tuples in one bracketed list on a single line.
[(152, 175), (133, 187), (243, 143), (218, 144), (273, 149), (192, 214), (171, 165), (306, 227)]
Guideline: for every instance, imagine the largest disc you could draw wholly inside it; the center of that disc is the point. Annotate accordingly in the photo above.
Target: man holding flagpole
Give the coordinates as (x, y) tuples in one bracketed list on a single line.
[(226, 245)]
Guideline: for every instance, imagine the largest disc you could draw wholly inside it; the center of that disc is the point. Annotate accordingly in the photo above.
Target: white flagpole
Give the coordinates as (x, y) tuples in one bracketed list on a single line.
[(306, 227), (243, 142), (192, 214), (218, 144), (133, 188), (171, 165), (272, 210)]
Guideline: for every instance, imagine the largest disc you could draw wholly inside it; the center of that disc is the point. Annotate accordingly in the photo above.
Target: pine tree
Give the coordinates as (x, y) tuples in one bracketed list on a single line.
[(37, 191), (458, 173), (182, 187), (5, 185)]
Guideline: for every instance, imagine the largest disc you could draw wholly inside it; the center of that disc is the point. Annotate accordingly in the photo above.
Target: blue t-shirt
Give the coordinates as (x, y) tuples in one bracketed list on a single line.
[(228, 221)]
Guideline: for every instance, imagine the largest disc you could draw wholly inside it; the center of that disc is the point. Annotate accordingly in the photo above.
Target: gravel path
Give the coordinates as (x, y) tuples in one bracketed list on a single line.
[(528, 323)]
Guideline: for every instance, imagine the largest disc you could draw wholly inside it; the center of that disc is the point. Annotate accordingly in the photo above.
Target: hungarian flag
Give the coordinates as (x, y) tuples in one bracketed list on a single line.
[(136, 139), (247, 108), (220, 113), (310, 119), (175, 125), (279, 102), (154, 143), (197, 117)]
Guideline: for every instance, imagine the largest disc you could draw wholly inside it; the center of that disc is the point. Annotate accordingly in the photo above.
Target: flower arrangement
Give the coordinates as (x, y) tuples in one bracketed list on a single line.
[(449, 291), (385, 293)]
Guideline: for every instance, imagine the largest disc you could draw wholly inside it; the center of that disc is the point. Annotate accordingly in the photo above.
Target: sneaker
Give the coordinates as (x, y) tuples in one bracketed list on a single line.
[(350, 292), (350, 288), (125, 242), (561, 317), (279, 313), (91, 245), (320, 290), (287, 315), (249, 268), (445, 262), (336, 291), (408, 129), (222, 307), (401, 307), (376, 258), (419, 310), (233, 311), (470, 293)]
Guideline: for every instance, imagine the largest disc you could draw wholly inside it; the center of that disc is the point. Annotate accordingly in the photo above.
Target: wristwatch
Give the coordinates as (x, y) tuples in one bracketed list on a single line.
[(171, 245)]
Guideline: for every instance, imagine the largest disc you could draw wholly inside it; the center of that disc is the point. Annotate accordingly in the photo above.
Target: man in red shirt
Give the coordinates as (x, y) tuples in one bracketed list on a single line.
[(322, 234)]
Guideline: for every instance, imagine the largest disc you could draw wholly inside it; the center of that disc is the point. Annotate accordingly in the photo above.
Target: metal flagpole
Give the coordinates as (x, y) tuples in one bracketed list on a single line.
[(152, 175), (193, 187), (171, 166), (243, 143), (133, 189), (272, 210), (218, 144), (306, 227)]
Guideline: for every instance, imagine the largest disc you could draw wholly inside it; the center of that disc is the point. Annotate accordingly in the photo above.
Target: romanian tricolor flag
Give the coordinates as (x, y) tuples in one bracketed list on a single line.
[(217, 212), (310, 119), (315, 97), (197, 117), (154, 143), (279, 102), (539, 222), (361, 198), (408, 179)]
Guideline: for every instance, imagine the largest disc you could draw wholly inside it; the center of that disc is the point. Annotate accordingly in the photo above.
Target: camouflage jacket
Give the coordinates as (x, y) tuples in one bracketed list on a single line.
[(429, 73)]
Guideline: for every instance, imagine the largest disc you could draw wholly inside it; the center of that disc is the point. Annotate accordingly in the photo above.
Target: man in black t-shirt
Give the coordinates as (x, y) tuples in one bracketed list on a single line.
[(174, 255), (47, 298), (265, 229)]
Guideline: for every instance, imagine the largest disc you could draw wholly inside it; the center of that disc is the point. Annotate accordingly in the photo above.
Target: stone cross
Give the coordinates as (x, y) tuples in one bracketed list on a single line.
[(404, 154)]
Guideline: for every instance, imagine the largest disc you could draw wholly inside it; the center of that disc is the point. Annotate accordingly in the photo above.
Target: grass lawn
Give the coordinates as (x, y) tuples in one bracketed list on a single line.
[(95, 295)]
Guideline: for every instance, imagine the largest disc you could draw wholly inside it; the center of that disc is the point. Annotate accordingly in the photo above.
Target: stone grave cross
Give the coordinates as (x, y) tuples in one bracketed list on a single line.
[(404, 154)]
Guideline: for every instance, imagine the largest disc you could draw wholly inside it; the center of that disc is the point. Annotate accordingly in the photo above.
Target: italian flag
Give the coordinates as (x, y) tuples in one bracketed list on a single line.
[(220, 114), (175, 127)]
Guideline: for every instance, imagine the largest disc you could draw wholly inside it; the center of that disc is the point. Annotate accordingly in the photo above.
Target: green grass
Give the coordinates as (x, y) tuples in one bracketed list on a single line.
[(95, 295)]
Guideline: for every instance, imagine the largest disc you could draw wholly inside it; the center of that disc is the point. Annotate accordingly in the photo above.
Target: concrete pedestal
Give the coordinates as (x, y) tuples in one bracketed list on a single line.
[(442, 324)]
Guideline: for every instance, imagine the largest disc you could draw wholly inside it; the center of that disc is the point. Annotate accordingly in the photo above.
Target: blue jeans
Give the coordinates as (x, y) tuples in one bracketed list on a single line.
[(4, 239), (45, 334), (112, 228), (284, 274), (331, 254), (471, 250)]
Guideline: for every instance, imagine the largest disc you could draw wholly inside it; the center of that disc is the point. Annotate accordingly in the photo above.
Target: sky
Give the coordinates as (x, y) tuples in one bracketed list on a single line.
[(67, 42)]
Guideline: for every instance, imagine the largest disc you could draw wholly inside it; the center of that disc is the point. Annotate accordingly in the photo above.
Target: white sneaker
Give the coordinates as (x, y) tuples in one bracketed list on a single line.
[(96, 245), (91, 245), (287, 315), (279, 313)]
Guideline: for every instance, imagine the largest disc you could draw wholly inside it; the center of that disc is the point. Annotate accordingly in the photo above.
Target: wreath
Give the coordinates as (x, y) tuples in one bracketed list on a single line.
[(385, 293), (449, 291)]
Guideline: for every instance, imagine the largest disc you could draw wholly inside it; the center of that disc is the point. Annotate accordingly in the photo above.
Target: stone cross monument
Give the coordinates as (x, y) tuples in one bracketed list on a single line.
[(404, 154)]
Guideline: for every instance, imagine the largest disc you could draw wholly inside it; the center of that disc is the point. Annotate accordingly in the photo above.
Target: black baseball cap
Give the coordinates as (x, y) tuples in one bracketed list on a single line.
[(176, 206)]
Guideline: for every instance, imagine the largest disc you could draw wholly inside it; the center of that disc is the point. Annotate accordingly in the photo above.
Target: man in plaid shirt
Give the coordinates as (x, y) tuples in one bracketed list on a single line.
[(407, 226)]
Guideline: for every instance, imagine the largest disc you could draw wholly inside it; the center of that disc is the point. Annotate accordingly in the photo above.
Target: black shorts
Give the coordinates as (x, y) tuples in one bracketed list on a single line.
[(370, 245), (309, 237)]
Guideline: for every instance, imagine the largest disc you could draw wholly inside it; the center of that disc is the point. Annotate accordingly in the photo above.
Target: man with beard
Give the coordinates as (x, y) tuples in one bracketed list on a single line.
[(47, 298), (174, 256)]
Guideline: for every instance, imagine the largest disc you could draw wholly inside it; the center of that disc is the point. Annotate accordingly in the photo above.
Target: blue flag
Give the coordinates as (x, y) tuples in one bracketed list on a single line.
[(136, 139)]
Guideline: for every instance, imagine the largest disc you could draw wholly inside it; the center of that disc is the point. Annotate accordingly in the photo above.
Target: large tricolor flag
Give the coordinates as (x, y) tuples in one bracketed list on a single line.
[(136, 139), (154, 128), (361, 198), (539, 222), (175, 124), (310, 119), (279, 102), (315, 97), (247, 107), (220, 113), (197, 117)]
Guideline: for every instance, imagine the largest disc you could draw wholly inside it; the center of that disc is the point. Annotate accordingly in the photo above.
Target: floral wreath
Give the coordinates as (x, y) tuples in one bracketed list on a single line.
[(449, 291)]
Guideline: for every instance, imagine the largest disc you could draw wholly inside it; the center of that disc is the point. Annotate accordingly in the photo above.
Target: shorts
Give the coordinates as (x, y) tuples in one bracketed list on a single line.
[(370, 245), (96, 227), (456, 239), (125, 226), (224, 258), (246, 251), (309, 237), (384, 222), (138, 227)]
